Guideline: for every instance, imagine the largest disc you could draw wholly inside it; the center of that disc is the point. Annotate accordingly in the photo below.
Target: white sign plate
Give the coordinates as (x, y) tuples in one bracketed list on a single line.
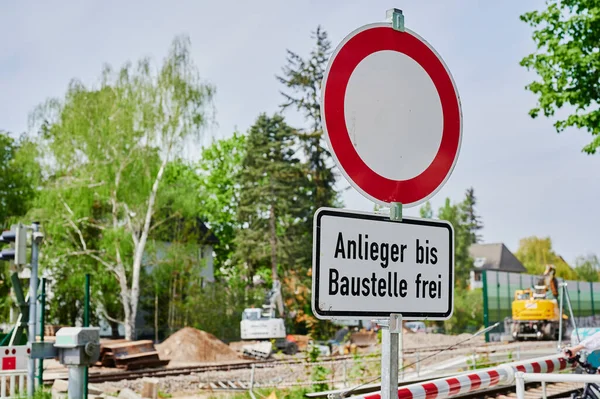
[(368, 266)]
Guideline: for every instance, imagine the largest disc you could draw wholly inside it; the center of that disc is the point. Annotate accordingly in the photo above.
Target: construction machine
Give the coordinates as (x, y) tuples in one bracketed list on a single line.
[(261, 324), (534, 314)]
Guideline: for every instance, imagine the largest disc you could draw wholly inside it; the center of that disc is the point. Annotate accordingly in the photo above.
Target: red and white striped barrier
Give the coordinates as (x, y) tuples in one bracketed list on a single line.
[(472, 382)]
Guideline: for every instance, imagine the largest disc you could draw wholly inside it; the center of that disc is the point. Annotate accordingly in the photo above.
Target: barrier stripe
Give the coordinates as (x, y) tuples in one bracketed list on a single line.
[(454, 386), (470, 382), (550, 366), (475, 382), (495, 377), (431, 390)]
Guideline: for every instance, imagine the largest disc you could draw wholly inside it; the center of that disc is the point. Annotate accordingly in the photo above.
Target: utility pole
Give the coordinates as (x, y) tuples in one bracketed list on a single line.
[(36, 240)]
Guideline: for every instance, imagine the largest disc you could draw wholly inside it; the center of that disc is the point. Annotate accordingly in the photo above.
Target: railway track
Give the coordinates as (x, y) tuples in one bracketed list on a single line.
[(120, 375)]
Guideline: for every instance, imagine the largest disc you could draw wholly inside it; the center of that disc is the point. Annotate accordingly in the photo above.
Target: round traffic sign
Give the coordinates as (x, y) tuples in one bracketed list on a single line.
[(391, 115)]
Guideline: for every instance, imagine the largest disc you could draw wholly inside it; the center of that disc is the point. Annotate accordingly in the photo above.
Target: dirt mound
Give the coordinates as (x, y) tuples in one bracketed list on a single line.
[(190, 345)]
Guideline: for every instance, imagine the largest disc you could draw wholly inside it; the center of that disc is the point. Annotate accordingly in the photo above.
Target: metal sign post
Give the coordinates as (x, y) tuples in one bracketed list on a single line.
[(36, 239), (367, 265), (391, 328)]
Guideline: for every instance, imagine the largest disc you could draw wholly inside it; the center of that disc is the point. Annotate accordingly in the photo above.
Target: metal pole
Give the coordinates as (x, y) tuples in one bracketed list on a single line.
[(42, 331), (75, 386), (592, 298), (418, 364), (33, 283), (572, 316), (401, 349), (86, 323), (544, 394), (578, 300), (508, 294), (486, 322), (251, 391), (520, 385), (560, 322), (498, 317), (389, 357)]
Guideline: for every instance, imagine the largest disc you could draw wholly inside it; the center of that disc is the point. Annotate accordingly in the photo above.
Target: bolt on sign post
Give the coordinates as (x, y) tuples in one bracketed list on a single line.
[(393, 123)]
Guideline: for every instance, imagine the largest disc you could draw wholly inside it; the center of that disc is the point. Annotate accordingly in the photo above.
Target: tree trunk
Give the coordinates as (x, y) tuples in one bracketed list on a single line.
[(130, 329), (129, 320), (141, 245), (114, 328), (273, 243)]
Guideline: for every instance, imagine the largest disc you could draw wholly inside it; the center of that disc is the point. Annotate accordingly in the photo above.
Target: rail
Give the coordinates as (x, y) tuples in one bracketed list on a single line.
[(475, 381), (12, 383), (522, 377)]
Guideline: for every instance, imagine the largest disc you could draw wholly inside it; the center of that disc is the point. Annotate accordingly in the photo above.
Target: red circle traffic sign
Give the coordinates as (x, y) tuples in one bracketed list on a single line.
[(413, 168)]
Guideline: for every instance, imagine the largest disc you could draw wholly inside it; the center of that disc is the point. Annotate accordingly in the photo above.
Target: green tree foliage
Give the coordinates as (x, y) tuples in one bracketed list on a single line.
[(426, 211), (19, 176), (567, 60), (219, 195), (588, 268), (468, 312), (176, 253), (303, 78), (217, 308), (535, 253), (462, 261), (19, 179), (471, 218), (468, 305), (109, 147), (466, 223), (272, 199)]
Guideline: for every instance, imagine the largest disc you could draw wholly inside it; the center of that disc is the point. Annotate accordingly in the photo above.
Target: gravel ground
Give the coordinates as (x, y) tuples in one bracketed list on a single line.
[(281, 375), (270, 376)]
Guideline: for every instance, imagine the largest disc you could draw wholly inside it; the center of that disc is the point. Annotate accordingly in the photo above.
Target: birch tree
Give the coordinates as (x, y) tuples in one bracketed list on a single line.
[(107, 149)]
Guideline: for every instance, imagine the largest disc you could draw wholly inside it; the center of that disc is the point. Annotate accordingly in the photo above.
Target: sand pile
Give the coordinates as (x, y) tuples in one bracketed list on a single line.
[(190, 345)]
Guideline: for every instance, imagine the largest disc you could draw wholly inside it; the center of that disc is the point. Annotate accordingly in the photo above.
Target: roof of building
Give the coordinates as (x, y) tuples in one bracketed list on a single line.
[(495, 257)]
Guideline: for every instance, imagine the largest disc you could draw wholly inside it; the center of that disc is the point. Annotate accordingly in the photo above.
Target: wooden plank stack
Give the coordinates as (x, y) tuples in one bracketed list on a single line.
[(130, 355)]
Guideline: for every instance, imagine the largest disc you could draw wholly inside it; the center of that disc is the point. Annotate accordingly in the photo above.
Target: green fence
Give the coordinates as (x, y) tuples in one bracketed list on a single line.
[(499, 289)]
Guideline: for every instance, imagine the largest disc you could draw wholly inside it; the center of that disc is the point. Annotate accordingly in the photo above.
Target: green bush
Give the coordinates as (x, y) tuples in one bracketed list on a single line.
[(468, 312)]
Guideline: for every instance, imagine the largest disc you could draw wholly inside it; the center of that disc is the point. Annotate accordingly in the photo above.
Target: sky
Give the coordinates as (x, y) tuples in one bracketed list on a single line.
[(528, 179)]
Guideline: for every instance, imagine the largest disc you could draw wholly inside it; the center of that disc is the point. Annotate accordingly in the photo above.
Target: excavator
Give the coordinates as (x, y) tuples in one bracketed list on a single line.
[(534, 314), (262, 325)]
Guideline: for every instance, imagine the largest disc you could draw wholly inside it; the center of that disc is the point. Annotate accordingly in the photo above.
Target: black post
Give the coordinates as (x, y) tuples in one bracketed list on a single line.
[(42, 332)]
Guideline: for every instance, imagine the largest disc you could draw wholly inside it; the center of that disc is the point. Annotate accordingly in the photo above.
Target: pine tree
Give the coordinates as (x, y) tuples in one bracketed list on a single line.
[(272, 196), (462, 261), (303, 77), (471, 219)]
